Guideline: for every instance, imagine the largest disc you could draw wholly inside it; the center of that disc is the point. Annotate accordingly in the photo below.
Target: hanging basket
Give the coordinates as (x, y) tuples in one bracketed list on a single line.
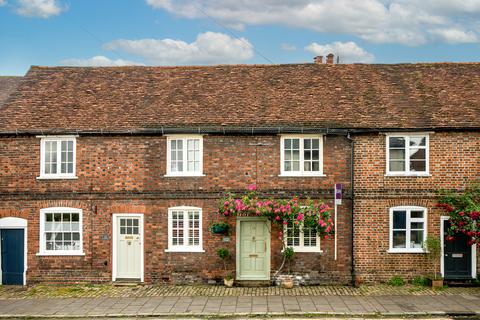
[(220, 228)]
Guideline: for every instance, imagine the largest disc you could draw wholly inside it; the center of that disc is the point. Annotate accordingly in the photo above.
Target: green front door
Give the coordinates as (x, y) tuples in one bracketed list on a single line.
[(253, 249)]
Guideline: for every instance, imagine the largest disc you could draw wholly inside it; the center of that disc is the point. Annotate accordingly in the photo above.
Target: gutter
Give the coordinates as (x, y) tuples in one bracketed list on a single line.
[(223, 130), (352, 197)]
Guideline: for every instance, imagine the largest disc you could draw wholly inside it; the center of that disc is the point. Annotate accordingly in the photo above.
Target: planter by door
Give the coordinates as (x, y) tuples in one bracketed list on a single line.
[(253, 248), (128, 247), (458, 256)]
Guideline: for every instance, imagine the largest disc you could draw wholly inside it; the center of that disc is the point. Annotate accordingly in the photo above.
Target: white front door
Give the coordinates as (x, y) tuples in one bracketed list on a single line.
[(128, 247), (253, 249)]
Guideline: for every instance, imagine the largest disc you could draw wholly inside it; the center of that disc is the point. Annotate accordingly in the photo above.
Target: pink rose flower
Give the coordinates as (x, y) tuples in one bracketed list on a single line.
[(252, 187)]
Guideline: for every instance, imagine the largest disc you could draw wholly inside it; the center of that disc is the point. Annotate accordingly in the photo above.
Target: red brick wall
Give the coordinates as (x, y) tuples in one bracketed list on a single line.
[(126, 175), (454, 163)]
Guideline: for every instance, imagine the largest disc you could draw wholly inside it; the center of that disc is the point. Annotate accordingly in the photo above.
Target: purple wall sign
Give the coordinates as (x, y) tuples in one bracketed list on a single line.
[(338, 193)]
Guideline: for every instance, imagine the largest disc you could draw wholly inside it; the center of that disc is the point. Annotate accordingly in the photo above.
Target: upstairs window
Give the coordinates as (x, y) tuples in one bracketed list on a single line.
[(407, 155), (301, 239), (301, 155), (57, 157), (407, 229), (185, 229), (184, 156)]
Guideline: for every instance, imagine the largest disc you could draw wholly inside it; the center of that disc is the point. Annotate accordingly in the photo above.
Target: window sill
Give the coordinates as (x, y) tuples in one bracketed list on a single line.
[(300, 175), (408, 175), (192, 175), (185, 250), (298, 250), (57, 178), (48, 254), (406, 251)]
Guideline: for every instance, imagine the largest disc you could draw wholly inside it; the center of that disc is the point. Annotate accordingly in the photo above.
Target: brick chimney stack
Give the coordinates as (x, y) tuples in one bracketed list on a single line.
[(318, 59), (330, 57)]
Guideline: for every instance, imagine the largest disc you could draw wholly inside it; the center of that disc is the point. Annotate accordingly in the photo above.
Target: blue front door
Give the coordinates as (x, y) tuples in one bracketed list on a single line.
[(12, 249)]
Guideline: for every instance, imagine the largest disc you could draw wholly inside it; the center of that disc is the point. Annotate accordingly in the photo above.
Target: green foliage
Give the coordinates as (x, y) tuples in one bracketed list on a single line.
[(421, 281), (220, 228), (464, 211), (223, 254), (229, 276), (289, 254), (434, 250), (396, 281)]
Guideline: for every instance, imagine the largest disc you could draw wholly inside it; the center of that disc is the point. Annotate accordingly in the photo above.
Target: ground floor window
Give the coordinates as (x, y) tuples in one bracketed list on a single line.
[(185, 229), (407, 229), (61, 231), (301, 239)]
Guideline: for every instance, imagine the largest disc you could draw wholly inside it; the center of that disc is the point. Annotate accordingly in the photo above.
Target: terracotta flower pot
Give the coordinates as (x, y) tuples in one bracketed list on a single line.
[(437, 283), (228, 282), (287, 283)]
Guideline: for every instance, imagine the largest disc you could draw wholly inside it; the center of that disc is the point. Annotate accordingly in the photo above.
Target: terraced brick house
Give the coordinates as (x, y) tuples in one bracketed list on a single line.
[(111, 174)]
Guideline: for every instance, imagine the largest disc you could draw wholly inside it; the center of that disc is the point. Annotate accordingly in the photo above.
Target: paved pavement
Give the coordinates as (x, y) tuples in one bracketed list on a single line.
[(274, 305)]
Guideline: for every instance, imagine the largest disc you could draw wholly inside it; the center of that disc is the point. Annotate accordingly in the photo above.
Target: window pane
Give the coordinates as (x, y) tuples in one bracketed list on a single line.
[(307, 143), (396, 142), (307, 166), (416, 225), (316, 166), (416, 238), (397, 154), (418, 165), (288, 143), (397, 165), (399, 239), (315, 143), (418, 141), (417, 154), (307, 154), (399, 219), (315, 155), (288, 166), (287, 155), (416, 214)]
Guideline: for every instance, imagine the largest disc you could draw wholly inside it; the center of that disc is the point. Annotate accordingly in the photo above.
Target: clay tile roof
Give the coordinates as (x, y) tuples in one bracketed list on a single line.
[(7, 86), (398, 96)]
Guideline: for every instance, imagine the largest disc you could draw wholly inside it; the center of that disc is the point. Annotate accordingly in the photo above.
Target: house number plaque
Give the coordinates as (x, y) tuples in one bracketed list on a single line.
[(457, 255)]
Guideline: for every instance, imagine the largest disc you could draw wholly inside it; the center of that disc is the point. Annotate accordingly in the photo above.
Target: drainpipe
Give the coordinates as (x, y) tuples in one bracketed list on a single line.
[(352, 197)]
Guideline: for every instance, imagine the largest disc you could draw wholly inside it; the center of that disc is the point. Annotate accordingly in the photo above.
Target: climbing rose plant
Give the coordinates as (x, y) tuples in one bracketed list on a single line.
[(315, 215), (464, 211)]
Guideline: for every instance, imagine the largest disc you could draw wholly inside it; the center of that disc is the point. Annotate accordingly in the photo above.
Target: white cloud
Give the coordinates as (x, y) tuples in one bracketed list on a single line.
[(455, 35), (208, 48), (349, 52), (39, 8), (3, 2), (99, 61), (288, 47), (384, 21)]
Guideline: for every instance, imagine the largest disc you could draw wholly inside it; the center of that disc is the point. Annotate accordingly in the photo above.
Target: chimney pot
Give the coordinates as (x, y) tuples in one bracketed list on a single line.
[(330, 57), (318, 59)]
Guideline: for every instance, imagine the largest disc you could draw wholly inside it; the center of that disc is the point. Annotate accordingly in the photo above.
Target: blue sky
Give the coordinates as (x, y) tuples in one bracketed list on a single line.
[(202, 32)]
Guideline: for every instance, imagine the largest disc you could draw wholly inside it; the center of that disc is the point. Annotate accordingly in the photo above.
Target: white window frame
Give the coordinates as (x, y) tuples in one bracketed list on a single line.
[(407, 137), (59, 140), (302, 247), (408, 228), (43, 251), (184, 173), (301, 173), (185, 247)]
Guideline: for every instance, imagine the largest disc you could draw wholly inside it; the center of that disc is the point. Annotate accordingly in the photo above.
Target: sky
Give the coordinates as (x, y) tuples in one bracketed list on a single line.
[(209, 32)]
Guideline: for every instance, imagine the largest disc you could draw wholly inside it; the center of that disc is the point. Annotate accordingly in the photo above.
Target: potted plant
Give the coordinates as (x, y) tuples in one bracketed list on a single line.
[(288, 255), (433, 247), (220, 228), (224, 255)]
